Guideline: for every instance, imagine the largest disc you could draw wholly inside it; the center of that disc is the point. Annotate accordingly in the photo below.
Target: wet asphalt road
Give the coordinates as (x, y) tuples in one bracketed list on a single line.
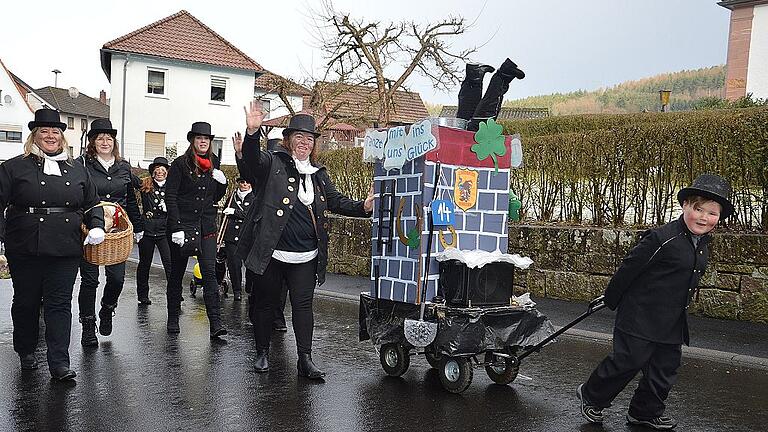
[(141, 379)]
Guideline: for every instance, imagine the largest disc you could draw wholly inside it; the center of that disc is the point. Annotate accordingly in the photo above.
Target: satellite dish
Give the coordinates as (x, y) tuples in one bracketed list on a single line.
[(7, 99), (74, 93)]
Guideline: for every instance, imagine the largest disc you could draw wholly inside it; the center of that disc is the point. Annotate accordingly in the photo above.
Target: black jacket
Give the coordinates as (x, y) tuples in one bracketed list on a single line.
[(192, 198), (155, 214), (655, 283), (117, 186), (235, 220), (275, 174), (23, 185)]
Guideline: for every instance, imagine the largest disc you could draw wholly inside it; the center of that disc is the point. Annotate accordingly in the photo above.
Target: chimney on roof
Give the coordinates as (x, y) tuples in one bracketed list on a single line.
[(103, 97)]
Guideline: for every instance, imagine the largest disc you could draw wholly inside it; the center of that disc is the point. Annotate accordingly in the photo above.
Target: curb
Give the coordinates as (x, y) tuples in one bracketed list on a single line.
[(732, 359)]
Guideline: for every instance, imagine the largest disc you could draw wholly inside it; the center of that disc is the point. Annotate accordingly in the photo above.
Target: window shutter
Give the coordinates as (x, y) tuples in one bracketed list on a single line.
[(154, 145)]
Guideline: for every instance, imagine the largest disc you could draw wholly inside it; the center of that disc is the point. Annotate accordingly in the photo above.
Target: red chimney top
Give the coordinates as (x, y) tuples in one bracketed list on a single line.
[(103, 97)]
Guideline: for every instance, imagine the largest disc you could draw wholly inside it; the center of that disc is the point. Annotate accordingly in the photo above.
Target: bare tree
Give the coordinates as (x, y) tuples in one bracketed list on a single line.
[(371, 53)]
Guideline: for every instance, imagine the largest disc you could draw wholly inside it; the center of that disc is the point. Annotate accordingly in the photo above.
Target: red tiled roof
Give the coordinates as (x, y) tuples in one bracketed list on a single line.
[(183, 37), (19, 84), (282, 122), (360, 102), (270, 83)]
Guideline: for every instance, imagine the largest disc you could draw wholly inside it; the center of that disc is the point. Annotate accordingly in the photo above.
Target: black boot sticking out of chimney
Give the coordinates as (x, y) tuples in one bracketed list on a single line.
[(490, 104), (472, 89)]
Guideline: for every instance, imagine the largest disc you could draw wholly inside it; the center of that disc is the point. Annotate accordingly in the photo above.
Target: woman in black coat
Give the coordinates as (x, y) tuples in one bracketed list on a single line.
[(44, 197), (155, 217), (114, 183), (195, 186), (288, 238)]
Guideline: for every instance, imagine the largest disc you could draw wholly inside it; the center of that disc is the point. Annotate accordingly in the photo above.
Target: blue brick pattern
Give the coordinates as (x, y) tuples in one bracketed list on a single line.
[(481, 227)]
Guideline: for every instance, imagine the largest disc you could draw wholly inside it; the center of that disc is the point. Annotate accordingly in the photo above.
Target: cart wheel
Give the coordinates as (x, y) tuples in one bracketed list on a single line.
[(433, 358), (394, 359), (501, 370), (192, 288), (455, 373)]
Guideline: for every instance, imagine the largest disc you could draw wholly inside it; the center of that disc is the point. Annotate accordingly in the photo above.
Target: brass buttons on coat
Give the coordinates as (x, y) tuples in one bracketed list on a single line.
[(286, 200), (290, 188), (279, 212)]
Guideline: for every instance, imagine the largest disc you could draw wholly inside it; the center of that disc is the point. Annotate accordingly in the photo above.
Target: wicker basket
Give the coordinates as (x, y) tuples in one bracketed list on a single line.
[(116, 246)]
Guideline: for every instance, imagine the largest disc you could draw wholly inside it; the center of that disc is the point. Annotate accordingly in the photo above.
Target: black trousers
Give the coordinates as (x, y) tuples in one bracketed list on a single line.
[(235, 269), (50, 279), (146, 253), (207, 261), (300, 280), (278, 312), (658, 362), (89, 282)]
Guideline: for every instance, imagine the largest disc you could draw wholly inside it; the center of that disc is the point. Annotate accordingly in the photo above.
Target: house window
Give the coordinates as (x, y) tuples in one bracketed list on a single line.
[(83, 124), (10, 136), (155, 82), (218, 89), (154, 145), (70, 122), (266, 106), (216, 146)]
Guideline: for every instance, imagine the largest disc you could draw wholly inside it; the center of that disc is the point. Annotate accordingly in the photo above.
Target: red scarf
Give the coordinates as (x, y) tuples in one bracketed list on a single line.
[(204, 163)]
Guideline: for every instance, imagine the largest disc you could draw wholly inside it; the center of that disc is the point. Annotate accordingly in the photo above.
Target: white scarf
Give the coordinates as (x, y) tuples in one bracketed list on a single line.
[(243, 194), (160, 183), (51, 166), (306, 187), (105, 163)]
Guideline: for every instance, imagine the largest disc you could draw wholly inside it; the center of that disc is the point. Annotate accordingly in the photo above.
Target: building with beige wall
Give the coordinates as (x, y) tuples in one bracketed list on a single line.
[(747, 64)]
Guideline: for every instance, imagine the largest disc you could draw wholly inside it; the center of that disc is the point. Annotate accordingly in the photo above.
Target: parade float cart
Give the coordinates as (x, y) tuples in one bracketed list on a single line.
[(441, 277)]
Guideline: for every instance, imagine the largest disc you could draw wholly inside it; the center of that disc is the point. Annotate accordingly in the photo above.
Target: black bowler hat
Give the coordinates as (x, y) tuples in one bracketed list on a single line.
[(272, 143), (45, 117), (199, 129), (301, 123), (158, 161), (102, 125), (712, 187)]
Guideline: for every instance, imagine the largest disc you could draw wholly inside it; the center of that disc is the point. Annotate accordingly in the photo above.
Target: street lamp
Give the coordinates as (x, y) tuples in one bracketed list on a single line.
[(664, 98), (56, 73)]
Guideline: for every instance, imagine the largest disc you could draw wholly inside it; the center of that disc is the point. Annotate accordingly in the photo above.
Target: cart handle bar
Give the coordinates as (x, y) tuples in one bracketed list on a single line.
[(594, 306)]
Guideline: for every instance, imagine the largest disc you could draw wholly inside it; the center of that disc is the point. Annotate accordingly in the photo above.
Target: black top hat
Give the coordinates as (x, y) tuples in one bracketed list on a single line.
[(712, 187), (272, 143), (47, 117), (201, 129), (158, 161), (301, 123), (239, 179), (102, 125)]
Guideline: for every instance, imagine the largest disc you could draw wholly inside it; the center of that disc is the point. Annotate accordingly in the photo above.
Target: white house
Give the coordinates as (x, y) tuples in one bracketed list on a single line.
[(747, 65), (171, 73), (15, 113)]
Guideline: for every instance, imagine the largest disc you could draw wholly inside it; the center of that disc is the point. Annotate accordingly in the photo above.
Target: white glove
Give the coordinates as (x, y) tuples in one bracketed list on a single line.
[(219, 176), (138, 236), (178, 238), (229, 211), (94, 237)]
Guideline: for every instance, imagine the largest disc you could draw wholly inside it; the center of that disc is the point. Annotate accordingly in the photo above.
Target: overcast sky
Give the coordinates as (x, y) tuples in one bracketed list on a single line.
[(562, 45)]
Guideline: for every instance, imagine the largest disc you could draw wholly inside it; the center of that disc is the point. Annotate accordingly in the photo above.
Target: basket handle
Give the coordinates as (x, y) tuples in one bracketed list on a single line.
[(104, 204)]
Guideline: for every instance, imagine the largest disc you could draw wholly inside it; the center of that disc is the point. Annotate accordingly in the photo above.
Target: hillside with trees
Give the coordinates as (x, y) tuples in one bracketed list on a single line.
[(691, 89)]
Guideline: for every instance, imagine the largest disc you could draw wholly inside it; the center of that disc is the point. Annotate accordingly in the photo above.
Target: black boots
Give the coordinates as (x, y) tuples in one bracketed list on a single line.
[(217, 329), (262, 361), (88, 338), (471, 89), (63, 373), (490, 105), (173, 321), (307, 367), (28, 361), (105, 318)]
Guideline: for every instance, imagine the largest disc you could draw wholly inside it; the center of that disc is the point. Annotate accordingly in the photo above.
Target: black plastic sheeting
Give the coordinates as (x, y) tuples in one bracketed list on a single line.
[(461, 331)]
